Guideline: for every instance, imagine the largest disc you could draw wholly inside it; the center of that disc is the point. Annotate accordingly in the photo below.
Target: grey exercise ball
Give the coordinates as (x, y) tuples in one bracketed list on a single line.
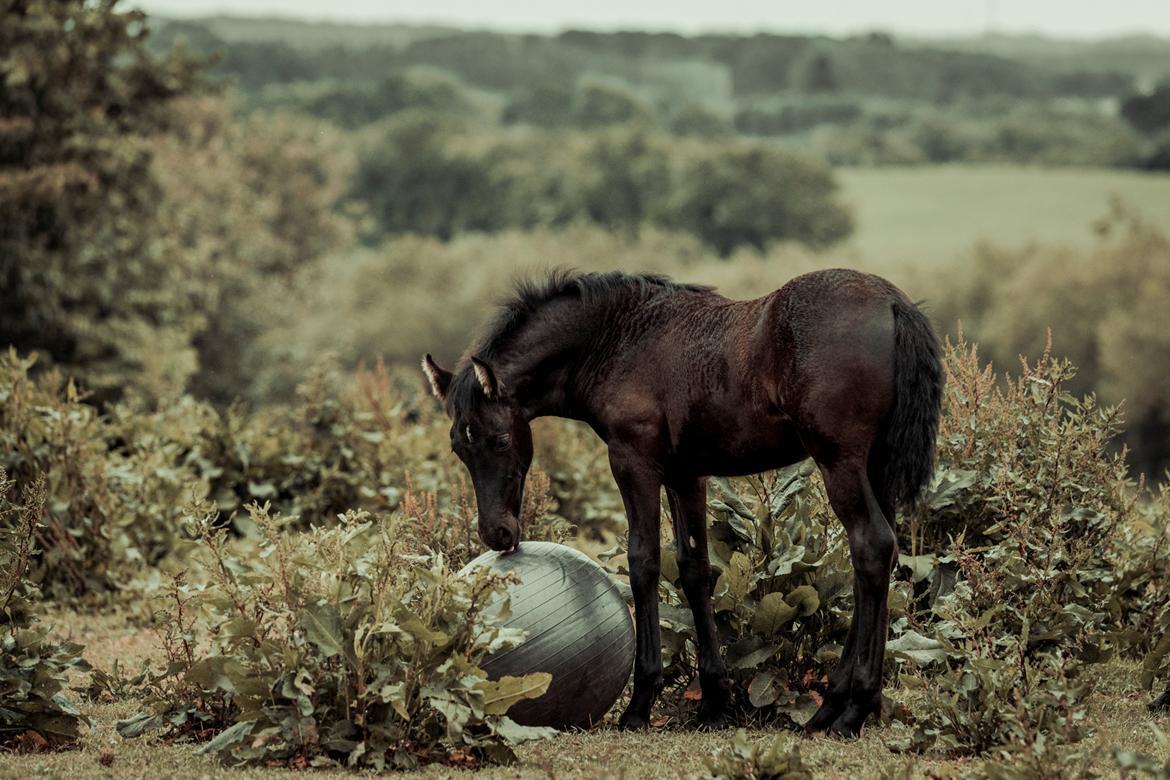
[(578, 629)]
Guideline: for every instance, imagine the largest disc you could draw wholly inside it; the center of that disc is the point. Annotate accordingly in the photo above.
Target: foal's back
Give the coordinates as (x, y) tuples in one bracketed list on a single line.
[(726, 382)]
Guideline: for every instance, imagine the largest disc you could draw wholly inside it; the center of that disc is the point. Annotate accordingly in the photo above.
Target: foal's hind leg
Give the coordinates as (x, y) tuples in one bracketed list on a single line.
[(855, 686), (688, 508)]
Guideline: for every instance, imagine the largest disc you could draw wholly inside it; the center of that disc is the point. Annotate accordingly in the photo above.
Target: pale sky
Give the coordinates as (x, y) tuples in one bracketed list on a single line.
[(1058, 18)]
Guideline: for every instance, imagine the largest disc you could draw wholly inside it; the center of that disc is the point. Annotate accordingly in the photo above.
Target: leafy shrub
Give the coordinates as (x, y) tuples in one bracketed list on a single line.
[(348, 646), (779, 599), (772, 760), (1034, 501), (997, 701), (117, 483), (1101, 305), (109, 510), (34, 712)]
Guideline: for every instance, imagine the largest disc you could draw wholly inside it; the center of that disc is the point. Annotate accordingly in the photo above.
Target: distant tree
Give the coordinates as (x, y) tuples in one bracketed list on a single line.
[(1092, 84), (354, 105), (85, 280), (695, 119), (819, 75), (1149, 113), (796, 118), (543, 105), (415, 179), (752, 194), (940, 140), (760, 64), (248, 203), (625, 176), (253, 65), (599, 104)]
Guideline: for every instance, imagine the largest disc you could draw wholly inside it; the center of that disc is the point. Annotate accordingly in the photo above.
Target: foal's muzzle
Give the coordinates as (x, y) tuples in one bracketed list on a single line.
[(501, 536)]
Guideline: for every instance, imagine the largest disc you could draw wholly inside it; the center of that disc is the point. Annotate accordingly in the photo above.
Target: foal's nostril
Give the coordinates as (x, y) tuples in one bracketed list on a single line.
[(504, 538)]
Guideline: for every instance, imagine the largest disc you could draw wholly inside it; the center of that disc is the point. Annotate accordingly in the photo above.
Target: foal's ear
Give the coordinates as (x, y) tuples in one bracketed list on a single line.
[(487, 378), (440, 378)]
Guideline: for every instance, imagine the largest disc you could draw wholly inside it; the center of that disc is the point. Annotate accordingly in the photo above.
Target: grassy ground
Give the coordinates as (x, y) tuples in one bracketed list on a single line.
[(932, 214), (1118, 716)]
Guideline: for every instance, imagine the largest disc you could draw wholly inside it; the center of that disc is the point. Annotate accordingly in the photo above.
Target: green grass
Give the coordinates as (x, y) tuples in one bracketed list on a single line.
[(931, 215), (1118, 717)]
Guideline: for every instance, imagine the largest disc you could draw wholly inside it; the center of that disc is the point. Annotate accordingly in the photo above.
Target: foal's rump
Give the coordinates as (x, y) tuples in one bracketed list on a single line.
[(858, 370)]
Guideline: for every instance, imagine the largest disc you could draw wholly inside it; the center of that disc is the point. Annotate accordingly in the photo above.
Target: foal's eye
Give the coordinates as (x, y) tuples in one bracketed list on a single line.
[(503, 442)]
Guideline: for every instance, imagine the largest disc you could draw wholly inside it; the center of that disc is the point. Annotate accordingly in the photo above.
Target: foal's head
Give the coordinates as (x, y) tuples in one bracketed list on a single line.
[(491, 435)]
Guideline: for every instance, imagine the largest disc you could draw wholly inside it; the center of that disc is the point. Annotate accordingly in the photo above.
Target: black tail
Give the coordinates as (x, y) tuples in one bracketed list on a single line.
[(913, 426)]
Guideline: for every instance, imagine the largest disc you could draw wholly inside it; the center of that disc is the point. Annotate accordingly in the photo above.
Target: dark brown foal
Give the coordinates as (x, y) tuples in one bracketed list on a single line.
[(683, 384)]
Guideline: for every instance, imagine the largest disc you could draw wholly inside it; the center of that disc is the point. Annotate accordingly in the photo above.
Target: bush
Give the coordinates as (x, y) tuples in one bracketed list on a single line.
[(1102, 307), (117, 483), (248, 203), (780, 597), (763, 761), (111, 510), (1149, 113), (349, 646), (34, 668), (600, 104)]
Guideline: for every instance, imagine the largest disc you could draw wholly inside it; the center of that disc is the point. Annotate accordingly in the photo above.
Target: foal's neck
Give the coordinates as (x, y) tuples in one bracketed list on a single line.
[(551, 361)]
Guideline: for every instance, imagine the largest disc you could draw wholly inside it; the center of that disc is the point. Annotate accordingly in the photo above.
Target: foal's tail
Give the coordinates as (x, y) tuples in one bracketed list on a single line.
[(913, 425)]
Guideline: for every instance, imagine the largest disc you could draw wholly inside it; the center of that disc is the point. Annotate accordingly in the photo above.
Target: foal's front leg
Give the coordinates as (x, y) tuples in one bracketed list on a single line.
[(639, 482)]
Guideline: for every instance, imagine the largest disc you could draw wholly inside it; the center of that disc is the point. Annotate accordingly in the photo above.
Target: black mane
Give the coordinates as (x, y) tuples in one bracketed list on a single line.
[(532, 293)]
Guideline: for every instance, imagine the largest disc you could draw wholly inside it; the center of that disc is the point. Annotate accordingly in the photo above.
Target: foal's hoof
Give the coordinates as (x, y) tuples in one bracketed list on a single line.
[(822, 720), (712, 714), (712, 721), (1162, 702), (632, 721), (848, 725)]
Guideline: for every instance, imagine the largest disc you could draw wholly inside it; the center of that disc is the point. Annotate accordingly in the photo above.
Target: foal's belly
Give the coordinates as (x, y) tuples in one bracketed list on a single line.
[(726, 448)]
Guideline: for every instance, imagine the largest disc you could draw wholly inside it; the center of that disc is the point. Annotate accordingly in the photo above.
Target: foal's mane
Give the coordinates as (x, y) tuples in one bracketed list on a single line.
[(531, 294)]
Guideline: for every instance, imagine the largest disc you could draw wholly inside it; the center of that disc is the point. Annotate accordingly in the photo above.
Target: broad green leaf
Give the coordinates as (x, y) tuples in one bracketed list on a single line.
[(137, 725), (322, 625), (739, 576), (754, 658), (228, 738), (772, 614), (804, 599), (918, 648), (762, 689), (500, 695), (516, 734), (215, 673), (411, 623), (920, 566)]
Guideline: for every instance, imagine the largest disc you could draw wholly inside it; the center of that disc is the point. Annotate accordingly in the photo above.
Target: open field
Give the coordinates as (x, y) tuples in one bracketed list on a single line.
[(1117, 709), (933, 214)]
